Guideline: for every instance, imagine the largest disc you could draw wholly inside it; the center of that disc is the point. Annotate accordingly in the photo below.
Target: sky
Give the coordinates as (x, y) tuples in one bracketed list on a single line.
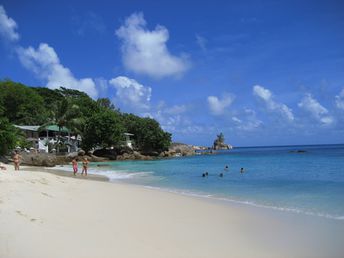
[(260, 72)]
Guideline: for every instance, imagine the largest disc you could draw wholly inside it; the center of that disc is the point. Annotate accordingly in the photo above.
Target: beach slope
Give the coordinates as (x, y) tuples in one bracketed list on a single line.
[(47, 215)]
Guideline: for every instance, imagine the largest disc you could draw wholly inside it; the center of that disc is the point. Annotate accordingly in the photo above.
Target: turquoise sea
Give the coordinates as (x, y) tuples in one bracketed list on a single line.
[(283, 178)]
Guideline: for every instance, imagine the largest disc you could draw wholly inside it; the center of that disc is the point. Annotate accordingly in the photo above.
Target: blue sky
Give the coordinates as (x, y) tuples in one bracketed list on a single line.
[(261, 72)]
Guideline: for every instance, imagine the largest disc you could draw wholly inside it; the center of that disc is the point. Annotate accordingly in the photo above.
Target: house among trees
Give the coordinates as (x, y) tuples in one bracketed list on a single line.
[(128, 141), (98, 122), (45, 139)]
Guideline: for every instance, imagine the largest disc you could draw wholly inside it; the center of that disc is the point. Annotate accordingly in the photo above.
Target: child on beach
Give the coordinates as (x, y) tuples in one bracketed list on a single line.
[(75, 166), (84, 166)]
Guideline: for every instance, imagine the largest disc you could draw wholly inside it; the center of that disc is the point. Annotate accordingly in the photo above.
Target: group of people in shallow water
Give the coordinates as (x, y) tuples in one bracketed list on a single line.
[(226, 169), (84, 166)]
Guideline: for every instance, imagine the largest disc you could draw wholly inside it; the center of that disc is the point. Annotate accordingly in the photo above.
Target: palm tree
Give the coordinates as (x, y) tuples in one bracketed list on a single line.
[(66, 115)]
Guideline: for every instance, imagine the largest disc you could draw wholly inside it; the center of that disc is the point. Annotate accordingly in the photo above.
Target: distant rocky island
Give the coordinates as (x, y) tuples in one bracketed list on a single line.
[(219, 143)]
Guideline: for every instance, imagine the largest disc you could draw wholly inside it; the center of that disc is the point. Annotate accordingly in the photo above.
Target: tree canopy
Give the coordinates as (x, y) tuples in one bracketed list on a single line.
[(99, 122)]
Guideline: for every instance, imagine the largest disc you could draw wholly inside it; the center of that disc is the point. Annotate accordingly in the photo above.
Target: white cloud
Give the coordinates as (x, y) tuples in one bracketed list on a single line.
[(145, 51), (175, 119), (45, 63), (201, 42), (340, 100), (273, 106), (7, 26), (133, 95), (318, 112), (217, 106), (247, 121), (176, 109)]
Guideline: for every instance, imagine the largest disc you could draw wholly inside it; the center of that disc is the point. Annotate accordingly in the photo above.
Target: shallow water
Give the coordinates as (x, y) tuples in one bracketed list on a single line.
[(310, 182)]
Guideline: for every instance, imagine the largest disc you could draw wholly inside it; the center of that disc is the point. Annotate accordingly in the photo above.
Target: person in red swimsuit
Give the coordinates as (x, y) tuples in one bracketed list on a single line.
[(75, 166)]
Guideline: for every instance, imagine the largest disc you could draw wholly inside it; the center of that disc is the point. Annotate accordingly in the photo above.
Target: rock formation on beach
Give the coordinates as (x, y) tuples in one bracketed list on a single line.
[(178, 150), (219, 143)]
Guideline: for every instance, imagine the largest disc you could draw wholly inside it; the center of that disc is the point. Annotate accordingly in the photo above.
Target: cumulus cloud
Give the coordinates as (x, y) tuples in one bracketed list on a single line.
[(247, 121), (273, 106), (7, 26), (317, 111), (217, 106), (45, 63), (340, 100), (146, 52), (131, 94)]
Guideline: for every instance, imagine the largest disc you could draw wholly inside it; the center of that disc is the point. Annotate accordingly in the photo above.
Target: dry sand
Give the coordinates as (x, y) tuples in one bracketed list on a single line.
[(48, 215)]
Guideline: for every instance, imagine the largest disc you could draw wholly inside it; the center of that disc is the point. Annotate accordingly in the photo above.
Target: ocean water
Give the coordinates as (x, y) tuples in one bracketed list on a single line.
[(309, 182)]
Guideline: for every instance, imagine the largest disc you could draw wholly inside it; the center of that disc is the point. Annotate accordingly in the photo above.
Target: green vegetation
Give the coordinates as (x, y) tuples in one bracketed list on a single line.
[(8, 137), (149, 137), (220, 139), (98, 122), (103, 129)]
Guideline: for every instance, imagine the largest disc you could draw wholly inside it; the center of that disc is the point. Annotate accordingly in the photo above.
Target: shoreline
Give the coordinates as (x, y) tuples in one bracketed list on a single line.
[(107, 219), (65, 173), (200, 196)]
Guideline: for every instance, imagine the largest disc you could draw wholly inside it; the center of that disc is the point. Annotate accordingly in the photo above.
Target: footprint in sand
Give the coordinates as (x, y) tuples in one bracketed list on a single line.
[(43, 181), (46, 194), (21, 214), (26, 216)]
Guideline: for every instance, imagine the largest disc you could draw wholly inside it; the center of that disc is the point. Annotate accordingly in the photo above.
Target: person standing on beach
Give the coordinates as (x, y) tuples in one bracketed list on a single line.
[(84, 166), (75, 166), (16, 160)]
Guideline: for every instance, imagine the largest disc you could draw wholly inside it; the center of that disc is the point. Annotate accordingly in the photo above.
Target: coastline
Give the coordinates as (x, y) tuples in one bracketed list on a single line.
[(40, 212)]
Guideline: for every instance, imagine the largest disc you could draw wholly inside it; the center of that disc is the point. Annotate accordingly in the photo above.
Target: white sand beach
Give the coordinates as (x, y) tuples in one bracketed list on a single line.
[(47, 215)]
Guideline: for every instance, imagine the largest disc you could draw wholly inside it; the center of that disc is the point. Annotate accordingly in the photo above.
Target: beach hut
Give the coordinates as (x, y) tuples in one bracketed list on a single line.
[(128, 141)]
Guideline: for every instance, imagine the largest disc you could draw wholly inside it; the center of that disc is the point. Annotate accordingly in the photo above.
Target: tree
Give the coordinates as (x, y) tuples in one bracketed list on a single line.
[(106, 103), (99, 122), (103, 129), (51, 99), (148, 135), (8, 136), (66, 115), (21, 104), (87, 105)]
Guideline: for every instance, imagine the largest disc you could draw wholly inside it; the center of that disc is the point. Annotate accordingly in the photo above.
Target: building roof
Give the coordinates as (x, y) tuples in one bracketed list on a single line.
[(36, 128), (28, 127), (55, 128)]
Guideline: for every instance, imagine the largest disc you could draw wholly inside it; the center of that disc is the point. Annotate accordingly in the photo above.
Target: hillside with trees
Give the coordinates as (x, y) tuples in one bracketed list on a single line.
[(99, 123)]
